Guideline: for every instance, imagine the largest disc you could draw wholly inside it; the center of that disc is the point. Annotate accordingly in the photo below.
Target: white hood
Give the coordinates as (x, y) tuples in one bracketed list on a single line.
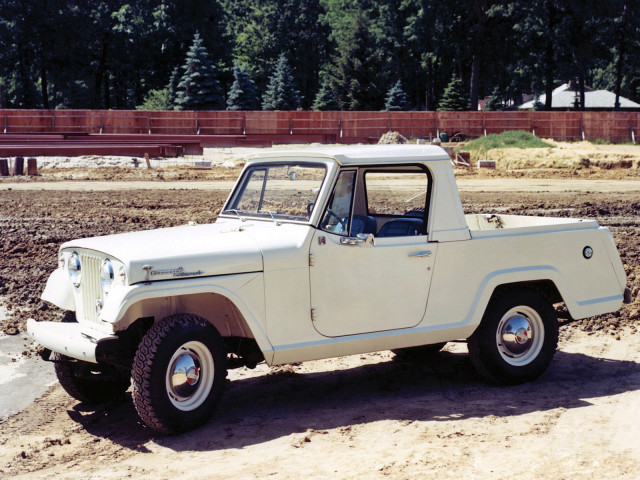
[(179, 252)]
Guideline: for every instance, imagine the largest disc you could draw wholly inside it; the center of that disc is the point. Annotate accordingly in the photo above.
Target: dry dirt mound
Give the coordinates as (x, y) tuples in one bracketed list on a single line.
[(392, 138), (568, 155)]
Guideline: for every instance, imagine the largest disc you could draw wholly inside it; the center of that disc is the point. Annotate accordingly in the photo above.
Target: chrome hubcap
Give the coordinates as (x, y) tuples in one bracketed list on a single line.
[(517, 335), (185, 373), (520, 335), (190, 376)]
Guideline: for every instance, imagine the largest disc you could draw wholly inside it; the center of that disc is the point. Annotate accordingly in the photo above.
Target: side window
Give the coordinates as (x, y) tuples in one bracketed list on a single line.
[(397, 200), (336, 216)]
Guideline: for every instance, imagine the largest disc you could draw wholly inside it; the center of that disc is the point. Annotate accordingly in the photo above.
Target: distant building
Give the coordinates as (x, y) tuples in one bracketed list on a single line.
[(567, 97)]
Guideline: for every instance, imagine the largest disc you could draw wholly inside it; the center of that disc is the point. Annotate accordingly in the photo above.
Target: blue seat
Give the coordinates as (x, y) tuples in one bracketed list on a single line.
[(363, 224), (401, 227)]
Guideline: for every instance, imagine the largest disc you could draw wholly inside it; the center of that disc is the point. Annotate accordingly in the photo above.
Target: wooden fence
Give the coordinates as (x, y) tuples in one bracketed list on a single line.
[(609, 126)]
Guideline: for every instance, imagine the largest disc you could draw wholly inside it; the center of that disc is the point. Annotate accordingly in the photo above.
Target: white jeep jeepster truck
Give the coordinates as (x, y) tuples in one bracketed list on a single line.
[(319, 253)]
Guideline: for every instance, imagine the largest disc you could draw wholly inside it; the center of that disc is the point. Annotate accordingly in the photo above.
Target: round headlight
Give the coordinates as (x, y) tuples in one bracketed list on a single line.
[(106, 275), (75, 269)]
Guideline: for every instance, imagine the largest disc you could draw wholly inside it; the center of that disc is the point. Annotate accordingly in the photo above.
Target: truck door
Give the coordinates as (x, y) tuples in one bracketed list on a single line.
[(371, 263)]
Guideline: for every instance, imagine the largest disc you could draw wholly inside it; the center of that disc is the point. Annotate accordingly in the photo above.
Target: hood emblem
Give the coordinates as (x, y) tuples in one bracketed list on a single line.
[(177, 272)]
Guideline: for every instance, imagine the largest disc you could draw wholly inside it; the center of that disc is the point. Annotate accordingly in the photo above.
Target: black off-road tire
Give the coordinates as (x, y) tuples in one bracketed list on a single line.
[(175, 352), (501, 350), (89, 382), (419, 353)]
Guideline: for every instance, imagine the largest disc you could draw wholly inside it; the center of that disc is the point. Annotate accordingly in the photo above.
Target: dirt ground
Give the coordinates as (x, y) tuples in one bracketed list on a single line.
[(365, 416)]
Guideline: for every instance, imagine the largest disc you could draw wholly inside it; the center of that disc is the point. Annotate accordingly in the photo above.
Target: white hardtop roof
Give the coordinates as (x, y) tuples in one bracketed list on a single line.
[(362, 154)]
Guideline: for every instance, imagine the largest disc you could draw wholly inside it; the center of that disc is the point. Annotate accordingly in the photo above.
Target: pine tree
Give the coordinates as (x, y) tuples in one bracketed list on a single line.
[(281, 93), (454, 98), (494, 102), (199, 88), (326, 98), (172, 88), (396, 98), (243, 94)]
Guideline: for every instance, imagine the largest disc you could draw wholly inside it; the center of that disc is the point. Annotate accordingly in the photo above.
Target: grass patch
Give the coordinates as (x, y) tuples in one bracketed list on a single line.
[(510, 139)]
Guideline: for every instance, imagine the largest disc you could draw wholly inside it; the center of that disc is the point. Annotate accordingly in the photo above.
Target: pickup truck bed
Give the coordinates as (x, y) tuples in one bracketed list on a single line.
[(490, 225)]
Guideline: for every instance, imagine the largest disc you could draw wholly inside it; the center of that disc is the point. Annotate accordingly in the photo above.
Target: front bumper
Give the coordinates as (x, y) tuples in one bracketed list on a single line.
[(69, 339)]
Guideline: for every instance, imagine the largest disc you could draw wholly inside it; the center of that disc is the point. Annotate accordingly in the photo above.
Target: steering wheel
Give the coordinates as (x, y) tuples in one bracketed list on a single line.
[(331, 213), (310, 206)]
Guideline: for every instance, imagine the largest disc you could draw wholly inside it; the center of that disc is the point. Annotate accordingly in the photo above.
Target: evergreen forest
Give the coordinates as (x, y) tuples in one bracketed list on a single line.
[(311, 54)]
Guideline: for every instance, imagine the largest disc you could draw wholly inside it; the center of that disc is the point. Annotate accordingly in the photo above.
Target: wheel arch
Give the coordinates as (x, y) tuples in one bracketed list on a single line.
[(546, 286), (217, 309), (545, 279), (224, 309)]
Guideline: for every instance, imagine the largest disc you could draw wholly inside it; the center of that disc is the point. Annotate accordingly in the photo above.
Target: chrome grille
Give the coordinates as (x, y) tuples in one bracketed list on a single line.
[(90, 289)]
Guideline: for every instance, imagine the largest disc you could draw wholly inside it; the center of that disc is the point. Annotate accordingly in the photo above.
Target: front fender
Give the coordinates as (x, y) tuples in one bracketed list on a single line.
[(59, 290), (244, 291)]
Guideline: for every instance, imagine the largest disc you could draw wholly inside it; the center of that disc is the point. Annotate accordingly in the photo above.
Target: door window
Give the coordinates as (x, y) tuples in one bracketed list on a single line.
[(397, 200), (336, 216)]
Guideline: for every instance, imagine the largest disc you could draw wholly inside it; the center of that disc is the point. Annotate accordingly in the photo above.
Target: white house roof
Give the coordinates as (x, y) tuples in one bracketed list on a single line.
[(564, 97)]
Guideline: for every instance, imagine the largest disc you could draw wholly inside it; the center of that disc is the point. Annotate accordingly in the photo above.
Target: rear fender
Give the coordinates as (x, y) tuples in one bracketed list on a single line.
[(536, 275)]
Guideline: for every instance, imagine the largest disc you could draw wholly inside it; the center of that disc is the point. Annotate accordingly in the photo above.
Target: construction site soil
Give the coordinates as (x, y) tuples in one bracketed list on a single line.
[(365, 416), (35, 222)]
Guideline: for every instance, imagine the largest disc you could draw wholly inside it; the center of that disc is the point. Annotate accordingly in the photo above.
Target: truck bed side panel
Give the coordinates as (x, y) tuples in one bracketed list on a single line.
[(466, 273)]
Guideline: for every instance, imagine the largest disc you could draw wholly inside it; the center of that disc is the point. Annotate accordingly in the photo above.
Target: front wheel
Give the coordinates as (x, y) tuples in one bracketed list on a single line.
[(517, 337), (178, 373)]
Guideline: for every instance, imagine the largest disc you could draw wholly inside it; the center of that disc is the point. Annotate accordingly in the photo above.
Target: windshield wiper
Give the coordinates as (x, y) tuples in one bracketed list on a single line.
[(237, 212), (272, 217)]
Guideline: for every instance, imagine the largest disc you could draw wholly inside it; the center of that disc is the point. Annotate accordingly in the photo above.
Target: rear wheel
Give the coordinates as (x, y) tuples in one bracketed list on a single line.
[(179, 373), (517, 337)]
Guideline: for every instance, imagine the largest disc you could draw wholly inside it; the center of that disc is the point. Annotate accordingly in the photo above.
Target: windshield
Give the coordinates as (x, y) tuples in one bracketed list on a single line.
[(285, 191)]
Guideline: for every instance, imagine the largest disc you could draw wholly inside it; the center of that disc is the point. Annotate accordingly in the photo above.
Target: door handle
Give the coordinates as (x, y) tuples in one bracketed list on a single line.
[(359, 239), (426, 253), (351, 240)]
